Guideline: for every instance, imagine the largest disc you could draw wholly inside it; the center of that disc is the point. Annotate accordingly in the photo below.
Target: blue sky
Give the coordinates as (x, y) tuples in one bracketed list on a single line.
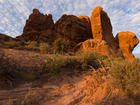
[(124, 14)]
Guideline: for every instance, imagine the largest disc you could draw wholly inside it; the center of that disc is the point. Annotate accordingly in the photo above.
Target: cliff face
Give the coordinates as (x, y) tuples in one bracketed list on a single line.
[(94, 33)]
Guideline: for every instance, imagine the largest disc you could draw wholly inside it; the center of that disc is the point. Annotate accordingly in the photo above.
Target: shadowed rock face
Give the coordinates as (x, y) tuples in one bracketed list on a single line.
[(127, 41), (73, 29), (38, 27)]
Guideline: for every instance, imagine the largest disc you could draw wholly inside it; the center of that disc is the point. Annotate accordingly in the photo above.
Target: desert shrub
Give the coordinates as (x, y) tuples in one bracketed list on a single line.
[(31, 45), (56, 63), (119, 59), (45, 48), (59, 46), (86, 58), (28, 77), (101, 56), (127, 75), (29, 98), (25, 38), (12, 44)]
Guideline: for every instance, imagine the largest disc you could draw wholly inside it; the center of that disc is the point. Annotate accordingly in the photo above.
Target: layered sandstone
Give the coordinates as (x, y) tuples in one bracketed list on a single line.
[(101, 26), (76, 32), (127, 41), (100, 46)]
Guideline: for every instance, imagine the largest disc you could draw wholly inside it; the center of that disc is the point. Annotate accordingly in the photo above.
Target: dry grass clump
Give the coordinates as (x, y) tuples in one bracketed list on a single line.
[(45, 48), (127, 75), (29, 98)]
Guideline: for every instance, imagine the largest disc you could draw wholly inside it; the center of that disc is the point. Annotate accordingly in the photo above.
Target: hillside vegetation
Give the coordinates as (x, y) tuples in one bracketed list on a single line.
[(123, 74)]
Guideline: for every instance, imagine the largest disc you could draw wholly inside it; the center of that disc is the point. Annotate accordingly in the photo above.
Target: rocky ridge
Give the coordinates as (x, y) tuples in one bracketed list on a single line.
[(75, 30)]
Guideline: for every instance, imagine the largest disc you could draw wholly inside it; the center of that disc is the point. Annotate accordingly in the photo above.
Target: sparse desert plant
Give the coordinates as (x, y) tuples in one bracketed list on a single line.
[(28, 99), (86, 58), (25, 38), (45, 48), (127, 75), (31, 45), (12, 44), (59, 46), (55, 64), (9, 103), (28, 77), (119, 59)]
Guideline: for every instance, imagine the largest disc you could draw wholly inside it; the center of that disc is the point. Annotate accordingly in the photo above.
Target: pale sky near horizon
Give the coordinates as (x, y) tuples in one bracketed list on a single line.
[(124, 14)]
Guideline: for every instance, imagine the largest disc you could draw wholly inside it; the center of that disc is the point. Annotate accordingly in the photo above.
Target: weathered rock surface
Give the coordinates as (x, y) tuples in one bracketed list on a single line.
[(38, 27), (85, 20), (75, 30), (127, 42), (72, 29), (100, 46), (101, 26)]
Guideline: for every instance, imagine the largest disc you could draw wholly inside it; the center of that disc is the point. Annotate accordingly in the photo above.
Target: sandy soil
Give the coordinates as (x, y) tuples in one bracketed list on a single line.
[(69, 88)]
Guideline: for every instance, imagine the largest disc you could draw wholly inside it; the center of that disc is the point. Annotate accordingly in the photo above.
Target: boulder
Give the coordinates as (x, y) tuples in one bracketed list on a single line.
[(37, 25), (101, 26), (127, 41), (100, 46), (72, 29)]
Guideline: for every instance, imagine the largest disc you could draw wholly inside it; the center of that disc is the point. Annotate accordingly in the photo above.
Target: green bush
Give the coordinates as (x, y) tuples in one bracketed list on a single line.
[(12, 43), (28, 77), (31, 44), (45, 48), (127, 75), (59, 46), (55, 64), (86, 58), (25, 38)]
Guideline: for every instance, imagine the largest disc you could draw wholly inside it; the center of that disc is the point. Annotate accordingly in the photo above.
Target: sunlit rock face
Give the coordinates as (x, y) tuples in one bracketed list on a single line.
[(127, 42), (101, 26)]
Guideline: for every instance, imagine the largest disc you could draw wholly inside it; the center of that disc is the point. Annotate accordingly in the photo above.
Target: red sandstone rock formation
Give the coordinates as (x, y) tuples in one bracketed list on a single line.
[(39, 27), (72, 29), (76, 30), (127, 41), (101, 26), (85, 20), (100, 46)]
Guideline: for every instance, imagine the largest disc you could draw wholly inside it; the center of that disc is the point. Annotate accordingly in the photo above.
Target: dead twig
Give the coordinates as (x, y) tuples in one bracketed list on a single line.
[(107, 97), (92, 68), (101, 65)]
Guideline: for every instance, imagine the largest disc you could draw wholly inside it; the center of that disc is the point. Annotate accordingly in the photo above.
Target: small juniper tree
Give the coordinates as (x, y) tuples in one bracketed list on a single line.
[(59, 46)]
